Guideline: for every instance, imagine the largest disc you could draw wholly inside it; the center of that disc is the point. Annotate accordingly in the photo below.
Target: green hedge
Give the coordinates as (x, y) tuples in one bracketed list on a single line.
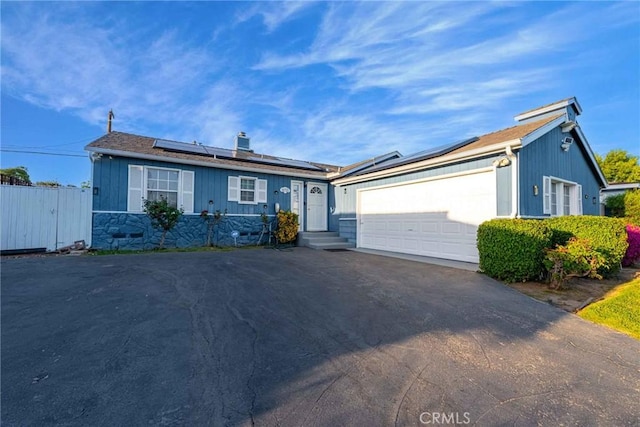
[(607, 235), (513, 249)]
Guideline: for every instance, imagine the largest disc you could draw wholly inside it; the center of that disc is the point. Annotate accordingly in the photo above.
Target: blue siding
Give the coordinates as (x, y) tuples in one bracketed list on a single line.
[(504, 196), (544, 157), (111, 177)]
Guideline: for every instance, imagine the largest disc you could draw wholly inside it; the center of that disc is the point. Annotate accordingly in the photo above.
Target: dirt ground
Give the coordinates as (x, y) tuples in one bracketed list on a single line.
[(579, 292)]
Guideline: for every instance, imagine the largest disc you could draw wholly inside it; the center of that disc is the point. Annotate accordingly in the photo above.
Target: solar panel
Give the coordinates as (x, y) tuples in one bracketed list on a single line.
[(284, 162), (422, 155), (204, 150), (192, 148)]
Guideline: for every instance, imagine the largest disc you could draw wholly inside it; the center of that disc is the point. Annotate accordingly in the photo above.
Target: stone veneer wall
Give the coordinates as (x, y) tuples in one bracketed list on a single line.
[(125, 231)]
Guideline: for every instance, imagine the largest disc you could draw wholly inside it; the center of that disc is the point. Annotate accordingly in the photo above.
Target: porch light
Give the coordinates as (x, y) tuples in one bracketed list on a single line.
[(535, 190)]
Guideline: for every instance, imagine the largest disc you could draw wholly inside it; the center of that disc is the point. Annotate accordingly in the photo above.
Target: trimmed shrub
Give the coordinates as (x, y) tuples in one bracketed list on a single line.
[(632, 206), (513, 249), (633, 251), (608, 236), (287, 227), (577, 258), (615, 205)]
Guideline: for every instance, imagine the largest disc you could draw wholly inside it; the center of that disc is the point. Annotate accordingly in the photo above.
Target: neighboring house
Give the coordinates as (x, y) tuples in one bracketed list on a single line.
[(429, 203), (614, 189)]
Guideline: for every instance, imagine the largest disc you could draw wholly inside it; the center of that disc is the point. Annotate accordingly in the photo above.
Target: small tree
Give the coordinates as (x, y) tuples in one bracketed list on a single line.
[(212, 220), (18, 172), (162, 215)]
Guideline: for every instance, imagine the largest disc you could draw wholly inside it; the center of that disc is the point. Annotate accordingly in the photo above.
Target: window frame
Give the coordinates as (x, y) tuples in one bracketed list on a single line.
[(138, 187), (234, 190), (146, 189), (551, 183), (253, 191)]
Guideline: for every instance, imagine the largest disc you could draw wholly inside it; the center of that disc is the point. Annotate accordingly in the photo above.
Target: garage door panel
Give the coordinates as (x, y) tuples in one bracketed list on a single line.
[(433, 218)]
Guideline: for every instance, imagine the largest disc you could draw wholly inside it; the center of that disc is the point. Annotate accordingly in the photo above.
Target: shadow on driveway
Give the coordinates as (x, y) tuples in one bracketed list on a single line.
[(297, 338)]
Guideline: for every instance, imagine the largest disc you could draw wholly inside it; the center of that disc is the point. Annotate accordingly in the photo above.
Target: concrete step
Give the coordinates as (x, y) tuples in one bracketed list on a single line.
[(318, 233), (323, 240), (331, 245)]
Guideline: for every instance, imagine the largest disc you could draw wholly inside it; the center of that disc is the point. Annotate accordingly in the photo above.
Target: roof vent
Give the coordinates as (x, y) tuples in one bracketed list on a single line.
[(243, 142)]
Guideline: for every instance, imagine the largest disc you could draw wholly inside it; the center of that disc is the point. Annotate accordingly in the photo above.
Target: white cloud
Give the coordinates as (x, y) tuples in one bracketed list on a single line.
[(374, 76), (274, 14)]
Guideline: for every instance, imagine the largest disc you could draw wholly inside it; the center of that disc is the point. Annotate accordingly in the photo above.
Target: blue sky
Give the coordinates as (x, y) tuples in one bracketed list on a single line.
[(330, 82)]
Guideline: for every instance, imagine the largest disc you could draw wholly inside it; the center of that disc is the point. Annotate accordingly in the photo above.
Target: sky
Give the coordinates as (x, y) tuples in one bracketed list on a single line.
[(332, 82)]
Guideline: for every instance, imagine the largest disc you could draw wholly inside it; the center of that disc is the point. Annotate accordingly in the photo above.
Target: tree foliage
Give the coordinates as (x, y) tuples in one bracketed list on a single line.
[(48, 184), (619, 166), (162, 215), (19, 172)]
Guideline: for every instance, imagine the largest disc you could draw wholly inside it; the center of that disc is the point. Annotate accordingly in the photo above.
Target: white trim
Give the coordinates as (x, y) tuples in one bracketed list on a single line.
[(621, 187), (301, 195), (528, 139), (187, 214), (133, 155), (437, 161), (515, 184), (145, 183), (549, 108), (575, 197), (347, 219), (255, 190), (587, 147)]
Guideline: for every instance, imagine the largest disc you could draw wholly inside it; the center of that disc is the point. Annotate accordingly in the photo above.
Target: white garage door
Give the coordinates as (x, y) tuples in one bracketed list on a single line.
[(437, 218)]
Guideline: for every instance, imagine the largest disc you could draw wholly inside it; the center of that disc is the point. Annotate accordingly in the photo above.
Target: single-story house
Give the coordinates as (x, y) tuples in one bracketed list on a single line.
[(614, 189), (429, 203)]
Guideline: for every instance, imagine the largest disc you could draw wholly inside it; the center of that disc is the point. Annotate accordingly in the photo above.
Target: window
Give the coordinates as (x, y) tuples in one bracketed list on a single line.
[(153, 183), (561, 197), (163, 183), (247, 190)]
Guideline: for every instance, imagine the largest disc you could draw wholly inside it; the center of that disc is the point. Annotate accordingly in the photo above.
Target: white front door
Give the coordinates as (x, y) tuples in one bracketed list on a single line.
[(316, 206), (296, 201)]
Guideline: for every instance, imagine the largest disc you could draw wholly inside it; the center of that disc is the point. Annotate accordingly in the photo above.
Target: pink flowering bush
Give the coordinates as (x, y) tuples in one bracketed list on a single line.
[(633, 251)]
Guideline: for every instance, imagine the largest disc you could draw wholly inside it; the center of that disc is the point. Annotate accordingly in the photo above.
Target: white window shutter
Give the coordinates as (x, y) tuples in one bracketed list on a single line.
[(187, 191), (261, 196), (135, 188), (233, 189), (546, 195), (578, 202)]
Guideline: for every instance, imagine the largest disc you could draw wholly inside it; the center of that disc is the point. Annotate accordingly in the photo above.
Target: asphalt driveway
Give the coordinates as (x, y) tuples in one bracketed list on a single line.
[(298, 337)]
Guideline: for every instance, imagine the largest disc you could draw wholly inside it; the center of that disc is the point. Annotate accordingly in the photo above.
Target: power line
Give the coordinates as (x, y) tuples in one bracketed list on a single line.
[(90, 138), (42, 152)]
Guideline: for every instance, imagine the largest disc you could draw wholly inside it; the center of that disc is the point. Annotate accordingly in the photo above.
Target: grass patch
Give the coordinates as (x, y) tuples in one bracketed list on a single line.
[(620, 309), (170, 250)]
